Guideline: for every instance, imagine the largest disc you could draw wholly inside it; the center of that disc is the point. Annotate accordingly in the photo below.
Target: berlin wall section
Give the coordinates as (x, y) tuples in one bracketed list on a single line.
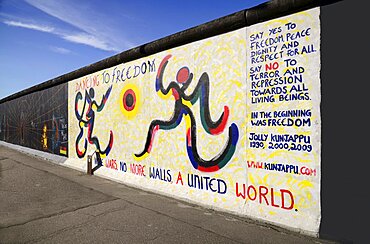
[(284, 125), (231, 122)]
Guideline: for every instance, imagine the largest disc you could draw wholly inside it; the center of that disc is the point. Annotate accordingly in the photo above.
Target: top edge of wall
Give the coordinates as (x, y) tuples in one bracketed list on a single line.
[(260, 13)]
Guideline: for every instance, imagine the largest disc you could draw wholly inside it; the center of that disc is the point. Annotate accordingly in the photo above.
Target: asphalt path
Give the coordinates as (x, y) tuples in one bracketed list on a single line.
[(42, 202)]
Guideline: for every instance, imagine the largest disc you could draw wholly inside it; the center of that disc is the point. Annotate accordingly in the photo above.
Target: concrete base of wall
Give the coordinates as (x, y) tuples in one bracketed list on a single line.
[(36, 153)]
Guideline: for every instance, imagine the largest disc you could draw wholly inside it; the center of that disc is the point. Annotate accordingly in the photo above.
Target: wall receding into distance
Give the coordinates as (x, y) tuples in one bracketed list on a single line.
[(230, 121), (38, 120)]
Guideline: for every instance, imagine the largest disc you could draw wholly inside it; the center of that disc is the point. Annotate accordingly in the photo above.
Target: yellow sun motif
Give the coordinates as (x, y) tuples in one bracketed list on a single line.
[(130, 100)]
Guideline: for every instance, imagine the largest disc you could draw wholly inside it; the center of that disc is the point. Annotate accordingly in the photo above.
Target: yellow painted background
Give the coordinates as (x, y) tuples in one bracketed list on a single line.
[(224, 58)]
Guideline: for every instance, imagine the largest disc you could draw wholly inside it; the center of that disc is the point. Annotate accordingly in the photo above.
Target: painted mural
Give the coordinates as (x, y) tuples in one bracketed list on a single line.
[(231, 122), (38, 120), (283, 104), (86, 119), (173, 122), (182, 109)]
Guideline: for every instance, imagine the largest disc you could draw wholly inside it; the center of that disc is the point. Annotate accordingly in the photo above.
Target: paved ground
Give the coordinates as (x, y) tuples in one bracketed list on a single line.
[(41, 202)]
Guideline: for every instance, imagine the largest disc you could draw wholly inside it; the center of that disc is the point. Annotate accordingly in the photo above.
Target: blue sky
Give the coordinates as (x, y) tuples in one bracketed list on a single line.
[(43, 39)]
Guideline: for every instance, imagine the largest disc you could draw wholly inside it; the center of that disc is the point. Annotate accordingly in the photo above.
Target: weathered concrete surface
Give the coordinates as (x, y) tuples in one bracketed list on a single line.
[(41, 202)]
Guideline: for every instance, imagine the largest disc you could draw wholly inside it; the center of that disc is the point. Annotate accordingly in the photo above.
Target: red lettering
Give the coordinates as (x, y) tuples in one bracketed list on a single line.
[(287, 198), (283, 191), (271, 66), (263, 194), (86, 83), (255, 192), (111, 164), (307, 171), (272, 198), (237, 191), (95, 80), (249, 164), (179, 178), (256, 165), (137, 169), (78, 87)]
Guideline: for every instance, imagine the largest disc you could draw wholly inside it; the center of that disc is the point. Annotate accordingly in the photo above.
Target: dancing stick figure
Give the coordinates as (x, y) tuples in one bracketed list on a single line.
[(182, 110), (92, 106)]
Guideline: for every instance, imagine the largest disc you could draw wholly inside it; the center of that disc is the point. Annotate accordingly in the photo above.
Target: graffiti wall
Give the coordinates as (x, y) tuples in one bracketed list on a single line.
[(283, 131), (231, 122), (173, 122), (38, 120)]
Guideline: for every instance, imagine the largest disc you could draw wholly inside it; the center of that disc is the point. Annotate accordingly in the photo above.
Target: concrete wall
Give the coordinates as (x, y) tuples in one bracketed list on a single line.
[(38, 120), (231, 121)]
